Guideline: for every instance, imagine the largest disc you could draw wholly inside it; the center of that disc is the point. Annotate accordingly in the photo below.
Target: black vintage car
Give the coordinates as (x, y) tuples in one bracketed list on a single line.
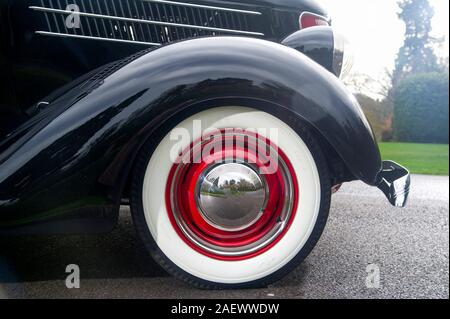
[(222, 123)]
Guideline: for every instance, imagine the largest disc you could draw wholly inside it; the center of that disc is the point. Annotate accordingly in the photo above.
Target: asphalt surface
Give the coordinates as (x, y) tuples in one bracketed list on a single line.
[(410, 246)]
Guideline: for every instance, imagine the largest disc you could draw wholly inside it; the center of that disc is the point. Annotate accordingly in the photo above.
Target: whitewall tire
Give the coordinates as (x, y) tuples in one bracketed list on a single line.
[(186, 225)]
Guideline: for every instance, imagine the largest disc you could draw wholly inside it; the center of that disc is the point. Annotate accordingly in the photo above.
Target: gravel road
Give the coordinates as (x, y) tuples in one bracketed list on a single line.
[(409, 246)]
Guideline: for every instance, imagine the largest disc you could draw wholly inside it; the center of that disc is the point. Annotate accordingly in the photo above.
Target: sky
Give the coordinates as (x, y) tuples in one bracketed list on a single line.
[(376, 33)]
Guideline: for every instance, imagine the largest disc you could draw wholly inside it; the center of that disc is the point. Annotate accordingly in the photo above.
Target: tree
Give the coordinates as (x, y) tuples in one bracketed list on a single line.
[(421, 108), (377, 113), (417, 54), (365, 84)]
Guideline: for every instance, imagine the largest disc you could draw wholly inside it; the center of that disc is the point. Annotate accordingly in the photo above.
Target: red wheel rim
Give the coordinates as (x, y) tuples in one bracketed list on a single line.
[(224, 150)]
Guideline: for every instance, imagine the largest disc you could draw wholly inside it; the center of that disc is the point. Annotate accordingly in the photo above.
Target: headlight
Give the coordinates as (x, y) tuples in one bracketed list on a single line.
[(325, 46), (343, 57)]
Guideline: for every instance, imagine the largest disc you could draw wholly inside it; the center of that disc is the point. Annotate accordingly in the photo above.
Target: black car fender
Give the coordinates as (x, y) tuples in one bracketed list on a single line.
[(79, 153)]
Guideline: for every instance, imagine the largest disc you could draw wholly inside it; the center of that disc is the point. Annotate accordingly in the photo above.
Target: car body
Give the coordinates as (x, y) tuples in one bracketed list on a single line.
[(91, 86)]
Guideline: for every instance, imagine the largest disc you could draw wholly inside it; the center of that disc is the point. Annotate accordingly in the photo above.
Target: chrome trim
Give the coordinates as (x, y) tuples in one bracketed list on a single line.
[(205, 7), (68, 35), (170, 24), (338, 54), (343, 56), (395, 183)]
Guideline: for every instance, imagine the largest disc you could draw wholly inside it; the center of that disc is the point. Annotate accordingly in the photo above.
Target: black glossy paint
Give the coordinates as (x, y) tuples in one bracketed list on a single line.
[(77, 151), (34, 65), (316, 43)]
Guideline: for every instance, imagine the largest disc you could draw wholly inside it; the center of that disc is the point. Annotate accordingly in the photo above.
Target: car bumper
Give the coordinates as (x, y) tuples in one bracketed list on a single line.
[(394, 182)]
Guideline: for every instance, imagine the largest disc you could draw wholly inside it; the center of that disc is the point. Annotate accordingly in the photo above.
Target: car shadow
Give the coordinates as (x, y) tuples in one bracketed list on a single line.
[(118, 254)]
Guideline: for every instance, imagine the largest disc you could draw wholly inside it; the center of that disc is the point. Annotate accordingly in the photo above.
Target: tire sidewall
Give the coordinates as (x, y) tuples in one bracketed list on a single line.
[(143, 229)]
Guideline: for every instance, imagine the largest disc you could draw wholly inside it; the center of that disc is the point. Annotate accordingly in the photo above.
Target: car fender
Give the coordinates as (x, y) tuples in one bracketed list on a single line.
[(79, 153)]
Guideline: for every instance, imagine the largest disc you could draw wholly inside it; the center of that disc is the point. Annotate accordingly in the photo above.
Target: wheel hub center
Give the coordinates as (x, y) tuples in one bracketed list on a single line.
[(231, 196), (231, 205)]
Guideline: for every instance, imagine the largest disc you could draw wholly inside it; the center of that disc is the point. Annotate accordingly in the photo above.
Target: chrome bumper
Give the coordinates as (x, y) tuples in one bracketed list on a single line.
[(394, 183)]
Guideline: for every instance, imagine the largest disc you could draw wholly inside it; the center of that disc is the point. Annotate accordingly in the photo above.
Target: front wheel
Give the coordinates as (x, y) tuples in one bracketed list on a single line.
[(238, 204)]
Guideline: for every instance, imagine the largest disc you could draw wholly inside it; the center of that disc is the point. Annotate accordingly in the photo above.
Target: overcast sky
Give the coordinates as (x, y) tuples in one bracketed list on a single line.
[(376, 33)]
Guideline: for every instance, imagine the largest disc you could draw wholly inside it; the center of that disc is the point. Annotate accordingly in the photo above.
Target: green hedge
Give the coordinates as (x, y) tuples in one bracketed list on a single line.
[(421, 109)]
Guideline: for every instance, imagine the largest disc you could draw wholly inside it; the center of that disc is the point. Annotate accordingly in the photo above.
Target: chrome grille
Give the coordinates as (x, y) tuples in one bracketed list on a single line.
[(149, 22)]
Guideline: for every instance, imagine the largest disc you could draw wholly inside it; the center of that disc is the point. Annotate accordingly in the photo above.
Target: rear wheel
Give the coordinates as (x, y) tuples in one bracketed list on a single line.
[(232, 206)]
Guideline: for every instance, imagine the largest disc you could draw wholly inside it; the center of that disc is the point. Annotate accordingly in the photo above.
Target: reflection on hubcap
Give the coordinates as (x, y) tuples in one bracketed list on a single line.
[(231, 196), (231, 207)]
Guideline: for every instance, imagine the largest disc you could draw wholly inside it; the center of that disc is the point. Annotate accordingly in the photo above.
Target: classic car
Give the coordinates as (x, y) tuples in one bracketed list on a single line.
[(223, 124)]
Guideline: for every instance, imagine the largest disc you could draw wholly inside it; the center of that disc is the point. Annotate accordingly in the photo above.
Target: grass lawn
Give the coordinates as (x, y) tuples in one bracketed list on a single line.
[(429, 159)]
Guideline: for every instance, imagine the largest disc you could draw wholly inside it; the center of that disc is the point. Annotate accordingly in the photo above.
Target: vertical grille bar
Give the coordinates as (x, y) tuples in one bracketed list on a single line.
[(182, 33), (63, 19), (176, 34), (239, 22), (153, 13), (103, 20), (117, 24), (246, 26), (151, 34), (164, 38), (220, 20), (113, 34), (166, 19), (46, 16), (132, 28), (123, 25), (140, 24), (95, 20), (188, 21), (195, 21), (55, 20), (88, 23)]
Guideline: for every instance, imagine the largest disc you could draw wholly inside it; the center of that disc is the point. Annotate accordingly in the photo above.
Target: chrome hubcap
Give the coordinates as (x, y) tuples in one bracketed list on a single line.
[(229, 206), (231, 196)]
